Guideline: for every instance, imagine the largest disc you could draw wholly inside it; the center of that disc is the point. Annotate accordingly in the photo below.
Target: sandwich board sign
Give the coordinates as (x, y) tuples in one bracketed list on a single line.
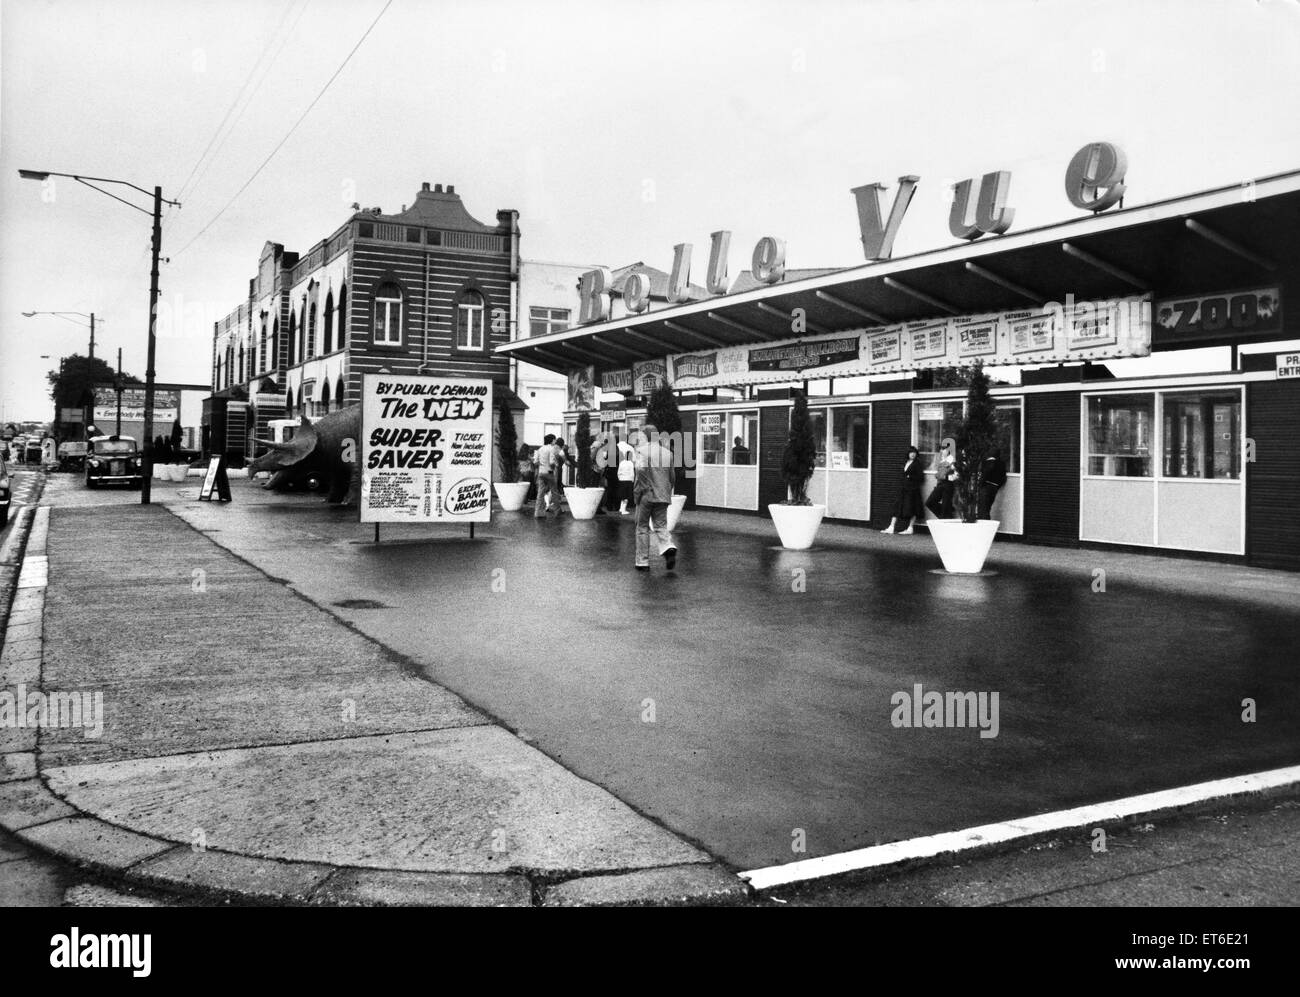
[(215, 480), (425, 449)]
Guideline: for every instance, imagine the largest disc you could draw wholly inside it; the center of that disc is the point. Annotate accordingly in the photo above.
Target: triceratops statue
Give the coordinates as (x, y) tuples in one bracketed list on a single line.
[(330, 445)]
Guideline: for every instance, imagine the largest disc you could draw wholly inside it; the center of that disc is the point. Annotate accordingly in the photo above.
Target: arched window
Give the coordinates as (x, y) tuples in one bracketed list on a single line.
[(388, 315), (338, 393), (344, 329), (324, 399), (302, 332), (261, 351), (240, 379), (230, 363), (288, 401), (311, 331), (300, 408), (327, 346), (273, 361), (470, 310), (293, 338)]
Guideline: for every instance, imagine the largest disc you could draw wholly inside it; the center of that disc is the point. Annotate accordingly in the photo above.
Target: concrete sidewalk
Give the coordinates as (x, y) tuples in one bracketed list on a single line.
[(254, 746)]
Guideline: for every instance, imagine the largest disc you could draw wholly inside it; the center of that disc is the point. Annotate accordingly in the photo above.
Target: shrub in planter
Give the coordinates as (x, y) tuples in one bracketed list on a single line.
[(797, 518), (964, 544), (584, 497), (510, 490)]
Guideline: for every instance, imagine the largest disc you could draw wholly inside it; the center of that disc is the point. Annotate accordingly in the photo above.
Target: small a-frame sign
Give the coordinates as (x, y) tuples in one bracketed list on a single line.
[(215, 480)]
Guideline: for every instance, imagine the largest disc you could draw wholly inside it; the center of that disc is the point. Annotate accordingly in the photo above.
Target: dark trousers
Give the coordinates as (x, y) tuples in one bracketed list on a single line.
[(610, 500), (988, 493), (940, 500)]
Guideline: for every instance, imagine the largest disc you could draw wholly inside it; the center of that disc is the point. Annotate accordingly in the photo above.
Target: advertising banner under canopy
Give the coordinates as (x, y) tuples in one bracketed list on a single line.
[(1055, 333), (166, 406), (426, 449)]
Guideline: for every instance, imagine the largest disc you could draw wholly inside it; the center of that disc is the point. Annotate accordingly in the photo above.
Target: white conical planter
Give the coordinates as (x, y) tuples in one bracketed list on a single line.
[(675, 508), (511, 494), (583, 502), (178, 471), (963, 546), (797, 525)]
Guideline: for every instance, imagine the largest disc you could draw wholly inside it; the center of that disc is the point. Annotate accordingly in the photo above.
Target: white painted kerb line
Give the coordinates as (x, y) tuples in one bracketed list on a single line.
[(898, 852)]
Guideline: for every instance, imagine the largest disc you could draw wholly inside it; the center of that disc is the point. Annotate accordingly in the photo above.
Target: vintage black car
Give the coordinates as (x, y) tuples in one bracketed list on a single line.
[(113, 459)]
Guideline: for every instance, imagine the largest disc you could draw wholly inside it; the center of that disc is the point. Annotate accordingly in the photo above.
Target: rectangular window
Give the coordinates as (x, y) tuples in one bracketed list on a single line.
[(1007, 417), (434, 237), (935, 422), (817, 417), (412, 235), (542, 321), (712, 449), (742, 437), (388, 321), (1202, 435), (365, 230), (850, 437), (469, 330), (1120, 435)]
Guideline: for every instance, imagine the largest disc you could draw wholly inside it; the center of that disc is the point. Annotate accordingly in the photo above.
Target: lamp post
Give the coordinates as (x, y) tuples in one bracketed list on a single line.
[(91, 316), (147, 470)]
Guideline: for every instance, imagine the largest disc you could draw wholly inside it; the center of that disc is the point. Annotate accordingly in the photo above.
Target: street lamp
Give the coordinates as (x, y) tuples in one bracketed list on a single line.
[(117, 383), (64, 315), (147, 471)]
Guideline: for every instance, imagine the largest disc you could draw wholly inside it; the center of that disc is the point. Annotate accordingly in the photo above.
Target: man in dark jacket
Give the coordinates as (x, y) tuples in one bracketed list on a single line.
[(993, 475)]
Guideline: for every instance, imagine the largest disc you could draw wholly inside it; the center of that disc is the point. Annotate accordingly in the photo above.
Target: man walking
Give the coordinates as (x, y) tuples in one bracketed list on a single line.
[(652, 491), (545, 476)]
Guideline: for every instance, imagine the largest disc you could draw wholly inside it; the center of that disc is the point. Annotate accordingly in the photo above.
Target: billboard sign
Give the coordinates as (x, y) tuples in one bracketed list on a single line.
[(426, 449)]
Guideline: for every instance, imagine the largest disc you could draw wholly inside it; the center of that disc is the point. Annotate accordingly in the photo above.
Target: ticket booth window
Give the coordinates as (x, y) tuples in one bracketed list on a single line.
[(850, 437), (936, 422), (742, 437), (1120, 435), (1202, 434)]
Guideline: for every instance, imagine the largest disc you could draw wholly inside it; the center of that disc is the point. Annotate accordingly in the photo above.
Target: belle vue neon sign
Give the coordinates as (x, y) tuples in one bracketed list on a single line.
[(1094, 181)]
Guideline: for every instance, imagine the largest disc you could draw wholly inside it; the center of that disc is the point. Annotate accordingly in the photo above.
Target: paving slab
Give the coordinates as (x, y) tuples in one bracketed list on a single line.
[(89, 841), (27, 802), (17, 765), (388, 888), (184, 869), (473, 799), (676, 886)]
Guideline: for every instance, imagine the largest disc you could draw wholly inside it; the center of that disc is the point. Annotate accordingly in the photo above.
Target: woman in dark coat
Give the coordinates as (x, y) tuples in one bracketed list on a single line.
[(909, 494)]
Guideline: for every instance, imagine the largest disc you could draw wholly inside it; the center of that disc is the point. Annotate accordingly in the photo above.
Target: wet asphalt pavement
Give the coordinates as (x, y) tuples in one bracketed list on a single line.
[(745, 699)]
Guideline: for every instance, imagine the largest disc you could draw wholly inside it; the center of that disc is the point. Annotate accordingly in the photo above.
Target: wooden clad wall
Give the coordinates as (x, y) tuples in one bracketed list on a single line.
[(449, 272), (773, 431), (685, 482), (891, 435), (1273, 478), (1051, 467)]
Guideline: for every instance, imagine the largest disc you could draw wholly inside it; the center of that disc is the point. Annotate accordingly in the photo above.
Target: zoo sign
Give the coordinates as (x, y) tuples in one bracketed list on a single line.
[(425, 449)]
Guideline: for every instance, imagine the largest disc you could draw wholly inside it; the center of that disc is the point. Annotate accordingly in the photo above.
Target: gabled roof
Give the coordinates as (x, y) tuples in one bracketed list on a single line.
[(436, 208)]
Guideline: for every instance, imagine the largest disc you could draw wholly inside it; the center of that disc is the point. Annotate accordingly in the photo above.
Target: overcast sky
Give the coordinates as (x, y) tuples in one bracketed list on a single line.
[(616, 128)]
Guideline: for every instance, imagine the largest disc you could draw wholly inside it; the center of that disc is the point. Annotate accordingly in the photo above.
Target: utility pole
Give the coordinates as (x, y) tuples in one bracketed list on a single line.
[(92, 339), (118, 431), (147, 471)]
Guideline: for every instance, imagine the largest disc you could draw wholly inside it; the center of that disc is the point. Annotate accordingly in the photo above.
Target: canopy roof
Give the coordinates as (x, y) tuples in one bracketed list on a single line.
[(1246, 235)]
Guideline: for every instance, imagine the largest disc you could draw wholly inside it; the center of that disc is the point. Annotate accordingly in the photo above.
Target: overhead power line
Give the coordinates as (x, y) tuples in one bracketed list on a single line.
[(287, 135), (183, 193)]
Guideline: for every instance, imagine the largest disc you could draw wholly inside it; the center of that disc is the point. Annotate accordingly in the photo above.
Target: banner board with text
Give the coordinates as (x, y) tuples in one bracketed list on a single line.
[(426, 449)]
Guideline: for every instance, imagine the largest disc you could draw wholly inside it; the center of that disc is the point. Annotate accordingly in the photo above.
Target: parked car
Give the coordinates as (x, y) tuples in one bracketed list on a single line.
[(113, 459), (72, 456), (6, 492), (32, 452)]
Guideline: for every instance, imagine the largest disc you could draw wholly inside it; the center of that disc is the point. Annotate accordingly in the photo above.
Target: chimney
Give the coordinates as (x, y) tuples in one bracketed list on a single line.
[(437, 188), (424, 188), (451, 189)]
